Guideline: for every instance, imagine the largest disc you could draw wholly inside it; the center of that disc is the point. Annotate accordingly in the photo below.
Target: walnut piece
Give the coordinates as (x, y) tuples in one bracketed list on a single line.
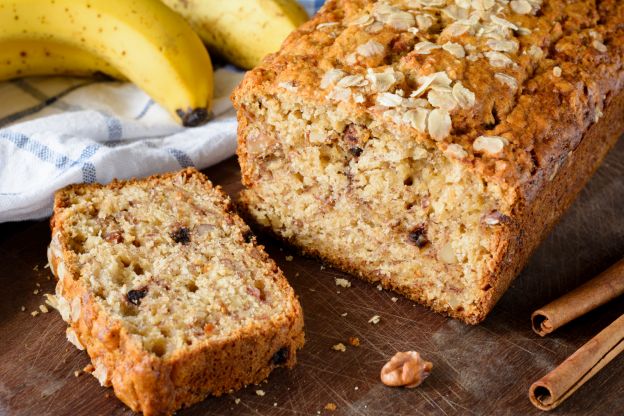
[(406, 369)]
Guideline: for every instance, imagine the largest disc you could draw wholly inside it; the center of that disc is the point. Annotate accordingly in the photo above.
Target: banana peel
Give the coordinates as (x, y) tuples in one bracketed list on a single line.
[(26, 58), (242, 31)]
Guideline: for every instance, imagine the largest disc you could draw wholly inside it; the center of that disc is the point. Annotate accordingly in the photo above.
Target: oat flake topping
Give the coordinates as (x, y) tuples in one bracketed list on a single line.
[(431, 106)]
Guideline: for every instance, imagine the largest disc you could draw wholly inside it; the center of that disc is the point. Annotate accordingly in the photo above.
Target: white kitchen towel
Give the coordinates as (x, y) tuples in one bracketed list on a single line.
[(58, 131)]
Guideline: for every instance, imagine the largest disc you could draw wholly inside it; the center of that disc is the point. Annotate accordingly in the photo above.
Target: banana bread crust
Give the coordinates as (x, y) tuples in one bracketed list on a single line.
[(569, 101), (157, 385), (547, 103)]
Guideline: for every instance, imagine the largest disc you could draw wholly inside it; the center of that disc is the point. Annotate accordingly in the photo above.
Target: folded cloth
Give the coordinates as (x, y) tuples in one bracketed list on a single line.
[(57, 131)]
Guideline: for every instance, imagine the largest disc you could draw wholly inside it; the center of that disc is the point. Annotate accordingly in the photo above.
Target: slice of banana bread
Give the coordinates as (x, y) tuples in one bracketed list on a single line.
[(167, 290), (429, 145)]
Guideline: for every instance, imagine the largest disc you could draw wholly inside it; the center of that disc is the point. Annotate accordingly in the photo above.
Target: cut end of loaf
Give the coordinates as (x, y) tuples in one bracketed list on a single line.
[(176, 279), (168, 263), (381, 205)]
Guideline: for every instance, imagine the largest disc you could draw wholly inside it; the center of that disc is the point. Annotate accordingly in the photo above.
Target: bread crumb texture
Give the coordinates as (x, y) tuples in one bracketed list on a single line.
[(416, 137), (168, 291)]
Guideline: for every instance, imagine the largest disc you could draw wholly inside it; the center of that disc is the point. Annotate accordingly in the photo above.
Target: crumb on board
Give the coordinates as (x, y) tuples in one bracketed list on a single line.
[(356, 388), (38, 284), (274, 404), (342, 282), (260, 393), (394, 299), (330, 406), (354, 341), (322, 267), (43, 309), (379, 287), (374, 320), (237, 400), (36, 268), (289, 258), (77, 373), (339, 347), (343, 314), (297, 274), (47, 266), (51, 300), (36, 291), (23, 308)]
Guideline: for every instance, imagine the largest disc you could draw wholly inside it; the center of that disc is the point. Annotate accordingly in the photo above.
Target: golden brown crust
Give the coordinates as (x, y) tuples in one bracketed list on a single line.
[(559, 123), (543, 120), (160, 385), (534, 221)]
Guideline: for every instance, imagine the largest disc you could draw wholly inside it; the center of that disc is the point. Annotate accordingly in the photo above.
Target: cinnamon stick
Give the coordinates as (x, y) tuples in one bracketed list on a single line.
[(551, 390), (598, 291)]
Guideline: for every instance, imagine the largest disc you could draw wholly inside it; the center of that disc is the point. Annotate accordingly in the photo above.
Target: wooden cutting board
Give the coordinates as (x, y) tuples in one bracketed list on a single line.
[(485, 369)]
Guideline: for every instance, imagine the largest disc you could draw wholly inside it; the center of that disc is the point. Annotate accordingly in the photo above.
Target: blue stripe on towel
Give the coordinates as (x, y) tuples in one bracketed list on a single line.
[(11, 118), (46, 154), (37, 149), (145, 109), (115, 129), (183, 159), (89, 175)]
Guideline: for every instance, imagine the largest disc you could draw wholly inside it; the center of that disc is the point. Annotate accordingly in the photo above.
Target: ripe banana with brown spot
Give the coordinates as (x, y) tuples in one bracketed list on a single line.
[(143, 40), (24, 58), (243, 31)]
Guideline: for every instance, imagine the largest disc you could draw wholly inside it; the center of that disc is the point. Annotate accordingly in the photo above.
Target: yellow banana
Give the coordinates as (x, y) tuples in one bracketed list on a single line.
[(243, 31), (143, 39), (24, 57)]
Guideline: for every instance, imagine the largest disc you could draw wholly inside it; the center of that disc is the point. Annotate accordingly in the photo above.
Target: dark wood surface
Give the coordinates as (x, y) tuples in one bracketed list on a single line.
[(485, 369)]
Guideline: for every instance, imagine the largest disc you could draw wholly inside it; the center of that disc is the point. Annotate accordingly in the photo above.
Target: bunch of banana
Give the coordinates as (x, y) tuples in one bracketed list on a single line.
[(243, 31), (139, 40)]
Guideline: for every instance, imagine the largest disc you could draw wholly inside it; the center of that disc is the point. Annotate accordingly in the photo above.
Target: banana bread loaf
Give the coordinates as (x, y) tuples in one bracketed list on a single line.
[(167, 290), (429, 145)]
